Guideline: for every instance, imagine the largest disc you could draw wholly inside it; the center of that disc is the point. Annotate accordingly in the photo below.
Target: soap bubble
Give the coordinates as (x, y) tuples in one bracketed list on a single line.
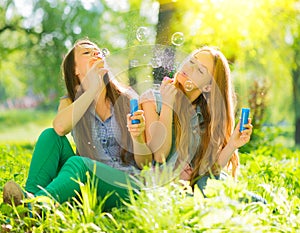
[(133, 63), (142, 33), (188, 85), (156, 62), (177, 38), (105, 52)]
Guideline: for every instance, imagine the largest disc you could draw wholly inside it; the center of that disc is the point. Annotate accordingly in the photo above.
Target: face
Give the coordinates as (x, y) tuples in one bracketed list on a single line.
[(197, 72), (85, 55)]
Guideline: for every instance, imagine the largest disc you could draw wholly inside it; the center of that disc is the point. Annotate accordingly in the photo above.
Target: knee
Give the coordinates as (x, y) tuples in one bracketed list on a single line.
[(49, 133), (77, 167), (77, 163), (48, 137)]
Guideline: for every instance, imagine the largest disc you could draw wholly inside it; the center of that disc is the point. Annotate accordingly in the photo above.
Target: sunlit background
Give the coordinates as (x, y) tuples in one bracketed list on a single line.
[(260, 38)]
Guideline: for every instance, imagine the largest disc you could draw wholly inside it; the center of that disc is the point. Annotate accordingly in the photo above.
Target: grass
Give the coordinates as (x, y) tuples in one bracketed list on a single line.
[(24, 125), (267, 169)]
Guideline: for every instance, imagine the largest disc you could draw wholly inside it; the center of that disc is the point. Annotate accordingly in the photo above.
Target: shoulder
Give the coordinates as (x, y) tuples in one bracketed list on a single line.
[(151, 99), (147, 96), (64, 102), (64, 97)]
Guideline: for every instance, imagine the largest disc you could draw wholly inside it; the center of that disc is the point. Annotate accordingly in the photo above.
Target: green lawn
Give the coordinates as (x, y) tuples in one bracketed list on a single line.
[(267, 169), (24, 125)]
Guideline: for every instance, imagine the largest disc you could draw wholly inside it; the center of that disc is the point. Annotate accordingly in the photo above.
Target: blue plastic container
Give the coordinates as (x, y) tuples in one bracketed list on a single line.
[(244, 118), (134, 106)]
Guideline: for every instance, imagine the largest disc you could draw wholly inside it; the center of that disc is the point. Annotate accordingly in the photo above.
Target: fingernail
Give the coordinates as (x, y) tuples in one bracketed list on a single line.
[(166, 78)]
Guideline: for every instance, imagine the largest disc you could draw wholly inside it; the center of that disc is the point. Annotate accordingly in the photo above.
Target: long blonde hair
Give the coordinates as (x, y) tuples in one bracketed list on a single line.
[(217, 109)]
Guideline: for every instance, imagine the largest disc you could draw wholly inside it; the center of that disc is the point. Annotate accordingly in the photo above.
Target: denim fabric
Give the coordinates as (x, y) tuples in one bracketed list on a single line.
[(201, 183)]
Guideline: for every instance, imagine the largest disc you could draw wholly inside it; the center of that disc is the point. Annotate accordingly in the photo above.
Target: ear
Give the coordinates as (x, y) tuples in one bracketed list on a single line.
[(206, 88), (76, 71)]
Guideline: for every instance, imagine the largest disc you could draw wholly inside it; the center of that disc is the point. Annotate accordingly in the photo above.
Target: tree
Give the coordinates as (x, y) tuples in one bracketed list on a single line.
[(260, 38), (167, 10), (296, 92), (254, 37), (40, 43)]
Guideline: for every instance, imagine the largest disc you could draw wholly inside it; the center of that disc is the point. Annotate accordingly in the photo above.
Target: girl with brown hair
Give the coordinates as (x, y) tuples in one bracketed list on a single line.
[(96, 111)]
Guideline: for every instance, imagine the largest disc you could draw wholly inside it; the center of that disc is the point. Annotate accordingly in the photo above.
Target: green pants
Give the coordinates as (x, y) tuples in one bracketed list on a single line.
[(54, 164)]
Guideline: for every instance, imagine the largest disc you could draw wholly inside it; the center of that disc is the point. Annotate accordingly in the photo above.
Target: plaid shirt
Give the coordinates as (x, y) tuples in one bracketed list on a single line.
[(107, 139)]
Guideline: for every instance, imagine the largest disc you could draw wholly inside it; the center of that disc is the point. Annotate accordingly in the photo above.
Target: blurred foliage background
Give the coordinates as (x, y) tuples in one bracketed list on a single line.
[(260, 38)]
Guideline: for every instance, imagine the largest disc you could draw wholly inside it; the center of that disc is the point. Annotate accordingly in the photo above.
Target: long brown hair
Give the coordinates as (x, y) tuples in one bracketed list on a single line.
[(117, 94), (68, 72), (217, 109)]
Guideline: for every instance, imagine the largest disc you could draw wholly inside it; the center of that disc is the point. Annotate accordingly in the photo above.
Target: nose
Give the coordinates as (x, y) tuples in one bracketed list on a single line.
[(96, 54)]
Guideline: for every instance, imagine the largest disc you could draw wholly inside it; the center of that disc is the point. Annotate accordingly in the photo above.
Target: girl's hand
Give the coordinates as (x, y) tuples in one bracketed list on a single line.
[(136, 130), (94, 77), (168, 92), (238, 138), (186, 173)]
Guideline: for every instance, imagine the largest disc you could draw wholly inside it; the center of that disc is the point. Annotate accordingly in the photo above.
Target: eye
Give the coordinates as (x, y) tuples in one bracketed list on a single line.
[(200, 70), (192, 62), (86, 52)]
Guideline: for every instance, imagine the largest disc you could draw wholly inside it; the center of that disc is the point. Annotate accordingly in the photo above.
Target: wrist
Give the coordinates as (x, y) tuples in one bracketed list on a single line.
[(139, 139), (232, 146)]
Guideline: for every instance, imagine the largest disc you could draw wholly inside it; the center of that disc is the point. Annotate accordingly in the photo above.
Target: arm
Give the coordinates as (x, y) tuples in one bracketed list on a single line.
[(142, 153), (236, 140), (70, 113), (159, 127)]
